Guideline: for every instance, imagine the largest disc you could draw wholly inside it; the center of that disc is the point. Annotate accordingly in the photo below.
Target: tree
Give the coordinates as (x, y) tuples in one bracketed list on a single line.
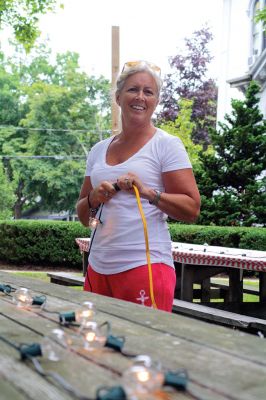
[(54, 109), (23, 17), (261, 16), (232, 180), (7, 196), (183, 127), (189, 81)]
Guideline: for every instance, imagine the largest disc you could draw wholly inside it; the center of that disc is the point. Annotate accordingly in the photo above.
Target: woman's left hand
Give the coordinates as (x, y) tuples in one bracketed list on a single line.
[(126, 182)]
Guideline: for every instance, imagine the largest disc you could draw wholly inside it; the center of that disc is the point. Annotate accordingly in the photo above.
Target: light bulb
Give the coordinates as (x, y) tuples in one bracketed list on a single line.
[(85, 313), (93, 222), (142, 377), (93, 337), (23, 297), (76, 341), (51, 346)]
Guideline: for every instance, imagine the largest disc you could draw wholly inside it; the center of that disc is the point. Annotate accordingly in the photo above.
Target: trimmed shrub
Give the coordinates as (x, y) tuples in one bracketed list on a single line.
[(49, 243), (52, 243), (225, 236)]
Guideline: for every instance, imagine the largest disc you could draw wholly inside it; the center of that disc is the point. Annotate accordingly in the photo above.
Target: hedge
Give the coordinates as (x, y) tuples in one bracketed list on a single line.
[(52, 243), (42, 243), (249, 238)]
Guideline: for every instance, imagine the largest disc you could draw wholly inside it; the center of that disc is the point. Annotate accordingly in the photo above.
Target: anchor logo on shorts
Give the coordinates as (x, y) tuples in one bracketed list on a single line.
[(142, 297)]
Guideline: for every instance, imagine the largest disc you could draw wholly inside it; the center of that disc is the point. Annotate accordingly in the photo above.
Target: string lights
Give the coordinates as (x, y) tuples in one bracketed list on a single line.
[(51, 345), (24, 298), (139, 380), (143, 377), (83, 314), (93, 336), (6, 289)]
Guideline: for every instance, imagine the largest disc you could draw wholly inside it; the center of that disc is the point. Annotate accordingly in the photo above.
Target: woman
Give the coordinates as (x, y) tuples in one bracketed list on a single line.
[(157, 164)]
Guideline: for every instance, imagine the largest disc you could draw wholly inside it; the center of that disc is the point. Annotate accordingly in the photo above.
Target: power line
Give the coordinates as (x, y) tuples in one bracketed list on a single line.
[(99, 132), (7, 157)]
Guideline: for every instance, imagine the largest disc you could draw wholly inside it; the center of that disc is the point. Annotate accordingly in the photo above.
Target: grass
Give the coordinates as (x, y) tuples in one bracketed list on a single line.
[(247, 282), (41, 276), (29, 274)]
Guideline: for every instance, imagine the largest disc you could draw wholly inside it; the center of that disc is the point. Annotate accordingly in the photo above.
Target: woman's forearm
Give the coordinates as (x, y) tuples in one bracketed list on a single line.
[(180, 207), (83, 211)]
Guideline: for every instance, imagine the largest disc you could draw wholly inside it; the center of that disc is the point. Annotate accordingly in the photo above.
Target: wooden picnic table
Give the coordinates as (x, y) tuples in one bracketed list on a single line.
[(197, 264), (221, 363)]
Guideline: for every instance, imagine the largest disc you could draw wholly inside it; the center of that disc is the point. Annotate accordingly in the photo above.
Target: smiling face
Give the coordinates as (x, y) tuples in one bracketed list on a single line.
[(138, 98)]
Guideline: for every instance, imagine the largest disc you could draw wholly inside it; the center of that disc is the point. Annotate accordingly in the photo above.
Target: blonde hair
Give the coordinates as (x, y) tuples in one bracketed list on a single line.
[(141, 66)]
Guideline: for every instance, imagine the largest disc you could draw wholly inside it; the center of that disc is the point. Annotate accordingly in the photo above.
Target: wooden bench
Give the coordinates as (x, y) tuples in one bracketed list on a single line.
[(218, 316), (194, 310), (220, 290), (246, 289), (66, 278)]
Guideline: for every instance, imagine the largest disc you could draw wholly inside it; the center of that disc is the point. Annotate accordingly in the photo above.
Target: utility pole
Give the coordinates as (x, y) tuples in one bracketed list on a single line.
[(115, 71)]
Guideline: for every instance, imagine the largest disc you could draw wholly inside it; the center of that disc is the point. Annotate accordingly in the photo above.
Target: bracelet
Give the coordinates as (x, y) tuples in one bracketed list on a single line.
[(93, 211), (116, 187), (156, 198)]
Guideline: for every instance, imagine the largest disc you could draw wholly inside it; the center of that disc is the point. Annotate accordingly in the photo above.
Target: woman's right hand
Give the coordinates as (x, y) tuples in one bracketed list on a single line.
[(102, 193)]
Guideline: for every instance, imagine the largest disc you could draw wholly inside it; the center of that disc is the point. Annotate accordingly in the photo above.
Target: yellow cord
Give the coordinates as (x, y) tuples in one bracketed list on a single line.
[(147, 245)]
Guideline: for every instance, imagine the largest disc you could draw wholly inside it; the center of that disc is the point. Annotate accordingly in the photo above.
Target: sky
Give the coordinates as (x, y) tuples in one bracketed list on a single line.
[(152, 30)]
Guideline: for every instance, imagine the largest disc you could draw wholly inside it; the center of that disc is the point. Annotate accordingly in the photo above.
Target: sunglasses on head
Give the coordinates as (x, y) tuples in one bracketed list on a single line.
[(132, 64)]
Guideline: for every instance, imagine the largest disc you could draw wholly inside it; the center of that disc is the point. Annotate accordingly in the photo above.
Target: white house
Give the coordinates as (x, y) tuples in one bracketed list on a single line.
[(243, 53)]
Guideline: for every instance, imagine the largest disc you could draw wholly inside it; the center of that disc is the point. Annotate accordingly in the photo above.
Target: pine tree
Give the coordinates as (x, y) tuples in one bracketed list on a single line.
[(189, 80), (232, 181)]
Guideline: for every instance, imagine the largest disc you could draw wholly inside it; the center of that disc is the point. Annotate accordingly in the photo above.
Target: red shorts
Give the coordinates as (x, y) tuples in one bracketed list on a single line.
[(133, 285)]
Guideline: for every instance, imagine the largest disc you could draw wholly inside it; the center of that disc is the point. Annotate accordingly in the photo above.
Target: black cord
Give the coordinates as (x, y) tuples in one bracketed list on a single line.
[(59, 379), (12, 344), (7, 289), (91, 241)]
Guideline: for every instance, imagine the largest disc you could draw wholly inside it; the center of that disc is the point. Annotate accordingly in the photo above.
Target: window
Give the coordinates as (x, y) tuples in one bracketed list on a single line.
[(264, 32), (256, 31)]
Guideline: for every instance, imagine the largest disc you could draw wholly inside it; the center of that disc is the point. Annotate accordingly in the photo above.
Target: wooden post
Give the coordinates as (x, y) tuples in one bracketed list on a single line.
[(115, 71)]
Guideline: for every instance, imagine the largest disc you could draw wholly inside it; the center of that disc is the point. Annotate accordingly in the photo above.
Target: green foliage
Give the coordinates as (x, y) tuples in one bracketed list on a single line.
[(183, 128), (41, 243), (189, 80), (231, 180), (261, 17), (225, 236), (49, 110), (50, 243), (7, 196), (23, 17)]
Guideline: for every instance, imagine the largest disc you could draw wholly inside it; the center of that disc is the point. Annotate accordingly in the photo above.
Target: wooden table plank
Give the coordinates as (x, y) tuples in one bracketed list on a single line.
[(24, 380), (179, 326), (9, 391), (222, 363)]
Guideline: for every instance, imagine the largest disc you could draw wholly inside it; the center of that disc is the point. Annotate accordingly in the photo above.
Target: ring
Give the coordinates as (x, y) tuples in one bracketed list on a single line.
[(127, 182)]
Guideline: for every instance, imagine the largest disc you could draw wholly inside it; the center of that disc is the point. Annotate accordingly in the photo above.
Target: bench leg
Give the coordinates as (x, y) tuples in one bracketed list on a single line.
[(235, 290), (206, 290), (84, 262), (187, 275), (262, 286), (177, 293)]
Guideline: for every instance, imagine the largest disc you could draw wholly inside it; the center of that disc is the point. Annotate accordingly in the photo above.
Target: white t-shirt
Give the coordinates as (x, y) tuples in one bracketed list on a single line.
[(119, 242)]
